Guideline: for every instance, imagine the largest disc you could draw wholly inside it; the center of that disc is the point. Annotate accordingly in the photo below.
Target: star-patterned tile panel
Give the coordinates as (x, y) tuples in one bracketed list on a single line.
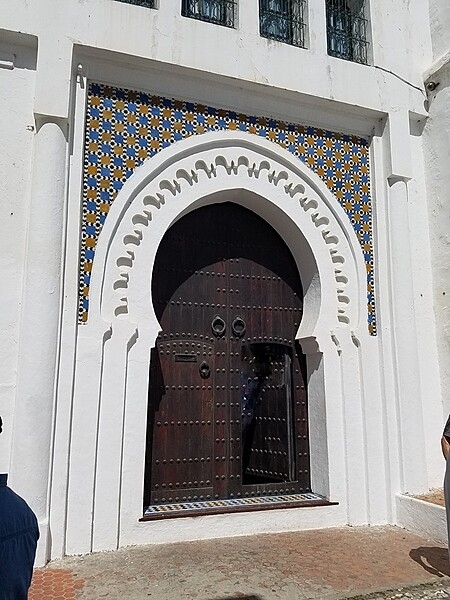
[(125, 127)]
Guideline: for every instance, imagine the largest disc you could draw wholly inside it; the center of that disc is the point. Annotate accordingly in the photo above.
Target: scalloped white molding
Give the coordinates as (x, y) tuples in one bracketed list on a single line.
[(190, 174)]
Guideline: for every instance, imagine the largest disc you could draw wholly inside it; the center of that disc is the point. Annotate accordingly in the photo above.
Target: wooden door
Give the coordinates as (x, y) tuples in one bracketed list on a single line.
[(227, 401)]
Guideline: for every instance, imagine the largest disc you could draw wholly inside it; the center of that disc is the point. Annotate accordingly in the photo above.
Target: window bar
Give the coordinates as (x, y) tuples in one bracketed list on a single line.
[(220, 12), (283, 20), (145, 3), (347, 30)]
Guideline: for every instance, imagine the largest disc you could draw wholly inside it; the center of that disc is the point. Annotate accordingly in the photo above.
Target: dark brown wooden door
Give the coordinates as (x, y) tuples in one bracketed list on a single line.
[(227, 400)]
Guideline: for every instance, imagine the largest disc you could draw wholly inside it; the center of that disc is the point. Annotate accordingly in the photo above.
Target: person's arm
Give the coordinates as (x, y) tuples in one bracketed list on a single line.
[(445, 445)]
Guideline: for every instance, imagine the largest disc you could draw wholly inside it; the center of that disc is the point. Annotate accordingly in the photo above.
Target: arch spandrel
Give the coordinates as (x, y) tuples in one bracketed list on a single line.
[(201, 170)]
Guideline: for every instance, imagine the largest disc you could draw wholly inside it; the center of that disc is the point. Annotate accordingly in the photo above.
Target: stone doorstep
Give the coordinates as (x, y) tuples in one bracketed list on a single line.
[(423, 518)]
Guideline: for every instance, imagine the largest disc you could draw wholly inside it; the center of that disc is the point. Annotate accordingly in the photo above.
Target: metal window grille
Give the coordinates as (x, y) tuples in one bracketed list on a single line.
[(283, 20), (220, 12), (347, 29), (146, 3)]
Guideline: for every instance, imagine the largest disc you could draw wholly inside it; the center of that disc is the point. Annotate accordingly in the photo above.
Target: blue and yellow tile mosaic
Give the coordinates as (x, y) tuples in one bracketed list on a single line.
[(125, 127)]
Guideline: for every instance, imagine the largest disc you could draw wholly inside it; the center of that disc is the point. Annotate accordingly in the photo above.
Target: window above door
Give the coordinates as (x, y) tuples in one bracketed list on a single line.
[(284, 21), (347, 29), (144, 3), (219, 12)]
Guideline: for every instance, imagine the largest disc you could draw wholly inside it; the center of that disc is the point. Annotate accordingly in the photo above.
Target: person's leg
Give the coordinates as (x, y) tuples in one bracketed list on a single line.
[(447, 497)]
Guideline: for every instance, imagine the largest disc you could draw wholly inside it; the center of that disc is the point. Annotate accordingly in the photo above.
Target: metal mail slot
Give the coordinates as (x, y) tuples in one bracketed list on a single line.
[(185, 358)]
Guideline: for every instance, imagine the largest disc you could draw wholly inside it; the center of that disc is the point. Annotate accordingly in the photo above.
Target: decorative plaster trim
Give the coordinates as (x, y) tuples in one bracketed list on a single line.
[(207, 164), (162, 190)]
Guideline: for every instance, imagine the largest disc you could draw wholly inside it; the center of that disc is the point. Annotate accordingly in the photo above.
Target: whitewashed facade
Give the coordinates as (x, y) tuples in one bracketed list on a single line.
[(78, 245)]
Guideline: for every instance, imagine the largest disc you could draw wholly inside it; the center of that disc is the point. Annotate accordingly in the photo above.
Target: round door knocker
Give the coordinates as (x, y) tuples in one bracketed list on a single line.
[(204, 370), (238, 327), (218, 326)]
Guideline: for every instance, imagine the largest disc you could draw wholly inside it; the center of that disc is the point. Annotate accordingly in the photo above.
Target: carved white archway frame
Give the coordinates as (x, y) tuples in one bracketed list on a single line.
[(111, 379), (257, 173)]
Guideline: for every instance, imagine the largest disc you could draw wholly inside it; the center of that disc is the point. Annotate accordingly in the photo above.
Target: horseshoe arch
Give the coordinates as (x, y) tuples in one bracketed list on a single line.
[(113, 351)]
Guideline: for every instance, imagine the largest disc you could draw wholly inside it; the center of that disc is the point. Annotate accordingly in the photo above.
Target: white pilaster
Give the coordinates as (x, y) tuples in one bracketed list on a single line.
[(39, 329), (84, 436), (353, 430), (404, 341), (109, 456)]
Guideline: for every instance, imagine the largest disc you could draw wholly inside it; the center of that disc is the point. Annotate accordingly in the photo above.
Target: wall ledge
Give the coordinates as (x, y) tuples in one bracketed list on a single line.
[(420, 517)]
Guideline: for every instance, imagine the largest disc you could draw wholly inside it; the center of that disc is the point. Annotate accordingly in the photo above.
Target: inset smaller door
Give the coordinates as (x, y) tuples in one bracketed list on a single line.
[(267, 414)]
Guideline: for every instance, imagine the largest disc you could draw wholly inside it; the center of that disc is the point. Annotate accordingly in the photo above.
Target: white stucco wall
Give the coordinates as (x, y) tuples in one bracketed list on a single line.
[(17, 82), (439, 27), (165, 36), (436, 139), (384, 392)]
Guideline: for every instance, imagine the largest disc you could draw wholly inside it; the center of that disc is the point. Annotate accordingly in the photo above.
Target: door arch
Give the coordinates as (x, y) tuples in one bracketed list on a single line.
[(227, 411), (109, 388)]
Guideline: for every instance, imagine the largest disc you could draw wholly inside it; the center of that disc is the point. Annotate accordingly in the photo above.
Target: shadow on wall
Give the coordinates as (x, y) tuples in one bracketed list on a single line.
[(432, 559)]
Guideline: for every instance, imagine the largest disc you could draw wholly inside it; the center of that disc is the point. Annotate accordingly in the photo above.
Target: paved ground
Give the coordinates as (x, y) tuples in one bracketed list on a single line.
[(324, 564), (427, 591)]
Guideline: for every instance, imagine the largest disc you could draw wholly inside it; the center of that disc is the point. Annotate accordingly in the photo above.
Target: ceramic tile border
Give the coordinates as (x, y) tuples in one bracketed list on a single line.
[(125, 127)]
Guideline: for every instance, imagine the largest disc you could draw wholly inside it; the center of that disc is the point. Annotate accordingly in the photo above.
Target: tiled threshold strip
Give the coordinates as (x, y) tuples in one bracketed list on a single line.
[(208, 507)]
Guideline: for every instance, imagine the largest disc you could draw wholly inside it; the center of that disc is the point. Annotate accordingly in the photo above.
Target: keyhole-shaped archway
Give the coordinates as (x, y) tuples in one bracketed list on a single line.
[(227, 403), (111, 380)]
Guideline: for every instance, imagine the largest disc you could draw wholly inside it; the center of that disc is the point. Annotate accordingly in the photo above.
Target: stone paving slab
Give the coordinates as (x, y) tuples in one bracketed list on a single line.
[(327, 564)]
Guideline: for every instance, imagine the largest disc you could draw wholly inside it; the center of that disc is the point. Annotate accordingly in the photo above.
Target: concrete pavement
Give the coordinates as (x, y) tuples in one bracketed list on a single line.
[(327, 564)]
